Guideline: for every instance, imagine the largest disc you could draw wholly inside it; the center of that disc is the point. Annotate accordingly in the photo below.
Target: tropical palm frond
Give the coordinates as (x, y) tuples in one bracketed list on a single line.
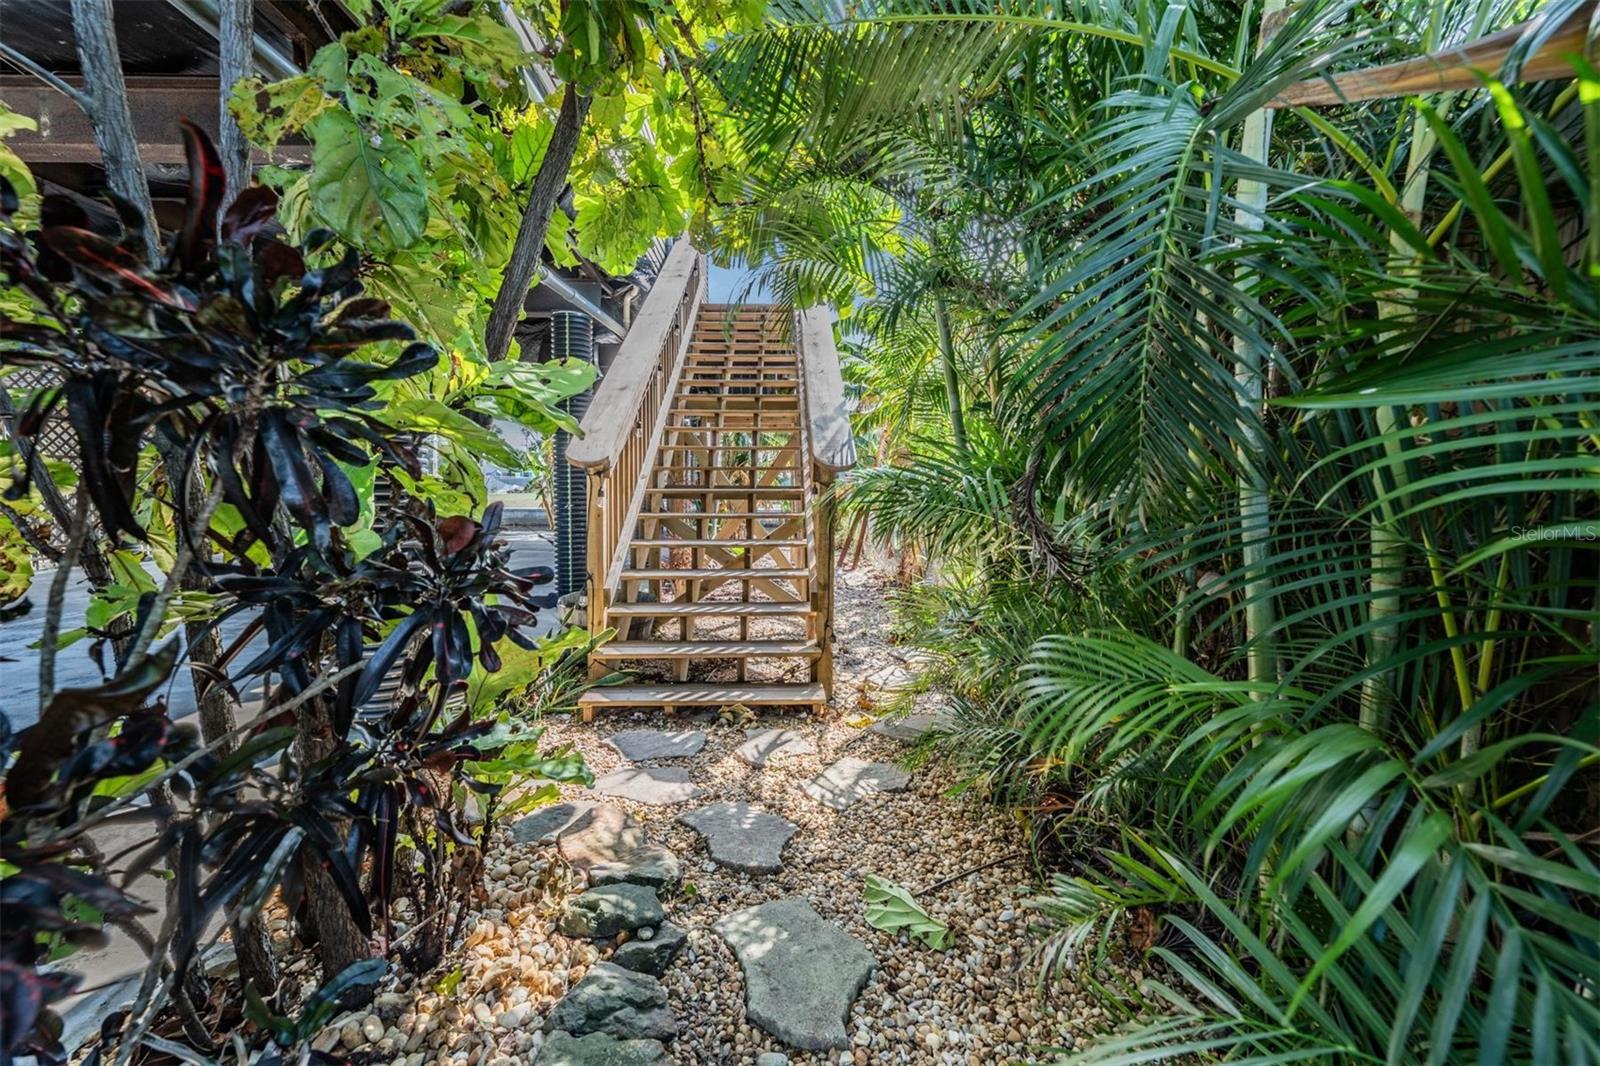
[(1335, 821)]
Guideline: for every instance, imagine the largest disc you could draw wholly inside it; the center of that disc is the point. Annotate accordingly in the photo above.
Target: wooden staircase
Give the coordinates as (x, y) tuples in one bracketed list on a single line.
[(709, 447)]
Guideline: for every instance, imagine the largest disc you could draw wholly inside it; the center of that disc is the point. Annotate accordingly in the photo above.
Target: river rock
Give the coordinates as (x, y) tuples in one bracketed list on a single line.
[(652, 956), (617, 1002), (598, 1049), (611, 909), (546, 825), (649, 864)]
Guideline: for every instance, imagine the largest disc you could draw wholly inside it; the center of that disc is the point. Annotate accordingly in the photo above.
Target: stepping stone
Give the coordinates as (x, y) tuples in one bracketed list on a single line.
[(545, 825), (655, 785), (598, 1049), (741, 836), (641, 744), (604, 842), (649, 864), (611, 909), (911, 727), (654, 955), (801, 973), (764, 745), (616, 1002), (851, 779)]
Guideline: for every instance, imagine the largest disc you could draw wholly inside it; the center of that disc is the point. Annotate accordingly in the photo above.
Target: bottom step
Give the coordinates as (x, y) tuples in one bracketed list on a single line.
[(707, 649), (702, 695)]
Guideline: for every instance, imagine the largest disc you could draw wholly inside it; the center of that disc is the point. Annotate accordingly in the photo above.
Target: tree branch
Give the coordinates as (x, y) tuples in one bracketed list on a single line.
[(28, 66), (35, 540), (235, 63), (547, 186), (109, 112), (58, 594)]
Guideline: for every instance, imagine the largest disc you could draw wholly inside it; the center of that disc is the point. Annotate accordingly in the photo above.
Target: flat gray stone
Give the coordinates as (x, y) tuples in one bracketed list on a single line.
[(598, 1049), (616, 1002), (603, 841), (764, 745), (801, 973), (656, 785), (851, 779), (611, 909), (640, 744), (911, 727), (654, 955), (648, 864), (546, 824), (741, 836), (588, 834)]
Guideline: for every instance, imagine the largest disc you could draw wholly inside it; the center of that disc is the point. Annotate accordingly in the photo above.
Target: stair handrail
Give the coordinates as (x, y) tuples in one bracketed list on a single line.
[(830, 450), (832, 442), (628, 414)]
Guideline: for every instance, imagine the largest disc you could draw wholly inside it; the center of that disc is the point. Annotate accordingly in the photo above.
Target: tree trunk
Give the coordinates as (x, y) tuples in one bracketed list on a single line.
[(235, 62), (339, 942), (111, 118), (952, 380), (547, 186)]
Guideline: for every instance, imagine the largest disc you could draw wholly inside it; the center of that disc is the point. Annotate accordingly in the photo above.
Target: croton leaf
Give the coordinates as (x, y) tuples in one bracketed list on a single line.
[(50, 740), (207, 184), (110, 263)]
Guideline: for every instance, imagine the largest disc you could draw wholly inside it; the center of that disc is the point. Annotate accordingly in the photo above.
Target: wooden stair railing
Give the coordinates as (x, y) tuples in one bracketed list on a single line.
[(831, 450), (717, 573), (627, 416)]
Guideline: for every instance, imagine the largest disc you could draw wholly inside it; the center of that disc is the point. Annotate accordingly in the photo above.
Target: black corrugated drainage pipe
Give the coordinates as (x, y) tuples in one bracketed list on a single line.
[(571, 336)]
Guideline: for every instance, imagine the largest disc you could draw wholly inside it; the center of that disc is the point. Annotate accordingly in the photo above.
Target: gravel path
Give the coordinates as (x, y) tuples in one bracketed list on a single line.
[(977, 1002)]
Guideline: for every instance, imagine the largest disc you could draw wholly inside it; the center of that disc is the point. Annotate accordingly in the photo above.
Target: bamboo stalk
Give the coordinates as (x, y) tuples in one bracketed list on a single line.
[(1461, 67), (1255, 518)]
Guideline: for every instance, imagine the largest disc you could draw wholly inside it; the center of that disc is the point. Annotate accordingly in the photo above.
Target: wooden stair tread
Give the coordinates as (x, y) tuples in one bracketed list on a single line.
[(715, 542), (717, 609), (708, 649), (706, 573), (739, 469), (704, 695), (720, 516), (780, 491)]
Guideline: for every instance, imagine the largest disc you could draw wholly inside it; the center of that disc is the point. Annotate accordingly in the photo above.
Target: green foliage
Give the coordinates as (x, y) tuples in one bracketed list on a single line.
[(1362, 843), (14, 170), (368, 187)]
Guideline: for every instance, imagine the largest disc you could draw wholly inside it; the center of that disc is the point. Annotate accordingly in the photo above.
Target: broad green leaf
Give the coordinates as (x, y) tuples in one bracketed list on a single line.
[(366, 185), (427, 415), (269, 111), (892, 909)]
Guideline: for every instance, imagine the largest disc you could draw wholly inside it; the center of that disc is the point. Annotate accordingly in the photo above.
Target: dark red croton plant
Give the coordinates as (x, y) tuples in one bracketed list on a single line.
[(255, 361)]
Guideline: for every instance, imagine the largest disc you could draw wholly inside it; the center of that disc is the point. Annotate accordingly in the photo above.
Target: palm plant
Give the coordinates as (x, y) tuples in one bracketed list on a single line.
[(1321, 389)]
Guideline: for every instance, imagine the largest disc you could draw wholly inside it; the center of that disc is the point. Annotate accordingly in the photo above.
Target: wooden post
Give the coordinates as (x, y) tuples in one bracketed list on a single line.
[(825, 517)]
